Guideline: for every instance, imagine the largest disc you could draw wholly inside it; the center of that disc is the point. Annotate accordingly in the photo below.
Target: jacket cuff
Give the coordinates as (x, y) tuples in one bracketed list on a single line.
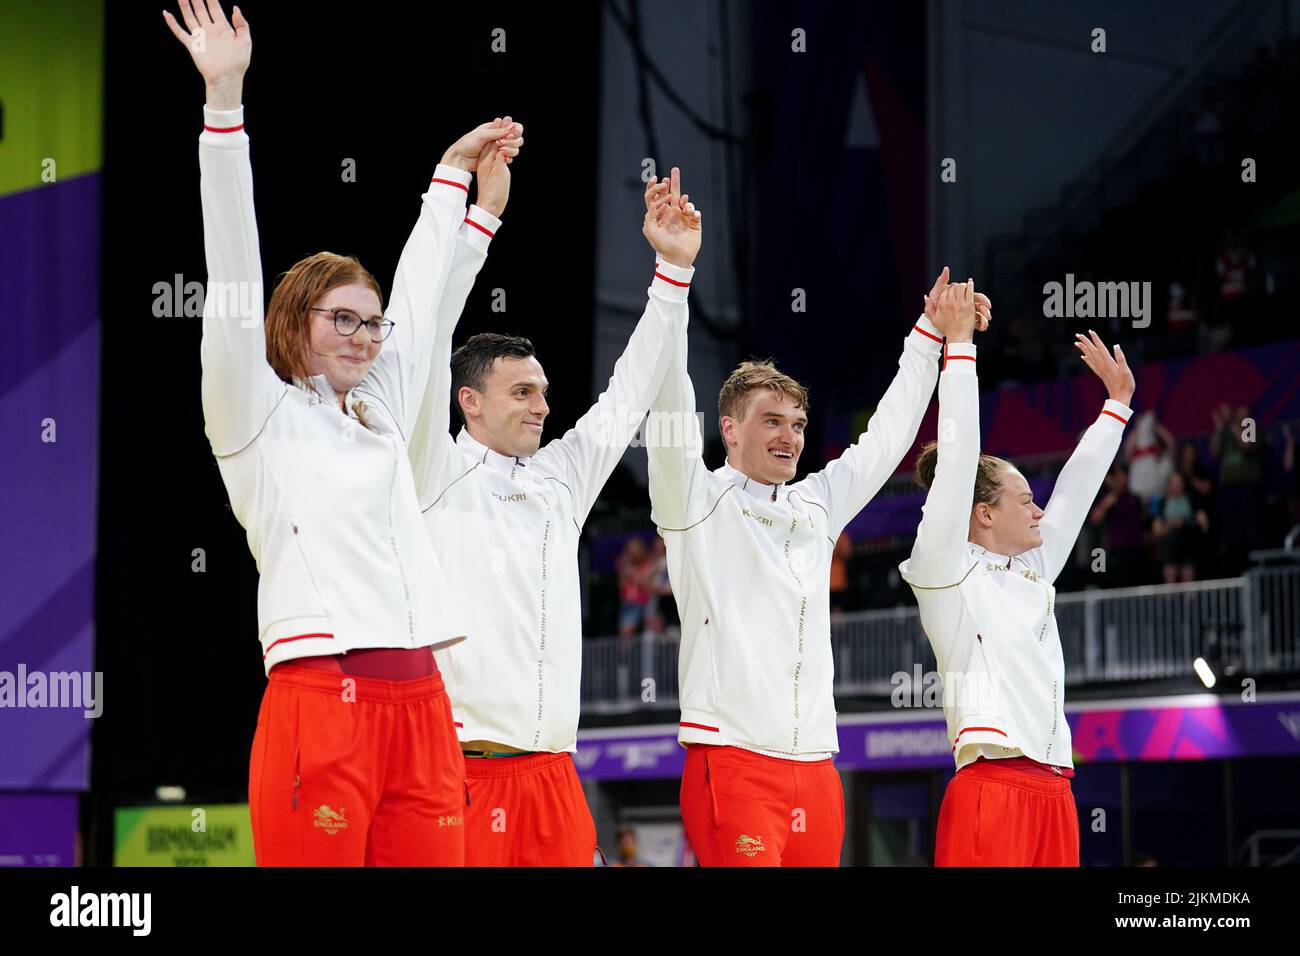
[(925, 334), (223, 128), (670, 281), (480, 226), (959, 357), (1117, 413), (450, 179)]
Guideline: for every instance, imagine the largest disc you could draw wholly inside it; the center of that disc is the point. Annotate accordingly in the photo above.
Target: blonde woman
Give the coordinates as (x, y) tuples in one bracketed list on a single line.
[(982, 569), (308, 411)]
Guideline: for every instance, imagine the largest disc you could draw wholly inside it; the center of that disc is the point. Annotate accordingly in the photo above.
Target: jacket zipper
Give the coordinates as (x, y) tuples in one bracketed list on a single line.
[(392, 540), (541, 628), (803, 611), (1051, 741)]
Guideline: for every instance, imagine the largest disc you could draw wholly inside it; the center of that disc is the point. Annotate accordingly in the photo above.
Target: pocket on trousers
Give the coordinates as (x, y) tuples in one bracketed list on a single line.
[(979, 805), (296, 742), (708, 786)]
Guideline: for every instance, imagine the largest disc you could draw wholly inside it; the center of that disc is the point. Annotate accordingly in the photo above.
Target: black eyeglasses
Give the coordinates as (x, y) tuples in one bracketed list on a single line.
[(346, 322)]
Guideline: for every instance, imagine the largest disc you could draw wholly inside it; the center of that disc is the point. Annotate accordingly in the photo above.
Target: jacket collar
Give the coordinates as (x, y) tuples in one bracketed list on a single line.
[(481, 452), (1011, 563), (992, 557), (320, 386), (751, 486)]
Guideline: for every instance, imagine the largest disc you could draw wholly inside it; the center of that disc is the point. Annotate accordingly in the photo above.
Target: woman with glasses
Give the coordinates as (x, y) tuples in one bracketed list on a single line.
[(308, 411)]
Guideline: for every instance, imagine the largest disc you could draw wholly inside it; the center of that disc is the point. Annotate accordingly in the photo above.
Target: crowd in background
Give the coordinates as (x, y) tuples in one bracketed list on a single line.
[(1173, 508)]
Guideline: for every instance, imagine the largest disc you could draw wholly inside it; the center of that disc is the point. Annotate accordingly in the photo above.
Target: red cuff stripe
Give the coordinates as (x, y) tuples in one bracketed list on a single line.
[(223, 129), (682, 285), (459, 724), (300, 637), (947, 358), (450, 182), (917, 328), (992, 730), (1107, 411), (687, 723), (486, 232)]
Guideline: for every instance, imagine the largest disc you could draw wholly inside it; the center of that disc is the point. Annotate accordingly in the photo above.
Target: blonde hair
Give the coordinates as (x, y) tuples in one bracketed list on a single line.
[(288, 315), (988, 476), (733, 399)]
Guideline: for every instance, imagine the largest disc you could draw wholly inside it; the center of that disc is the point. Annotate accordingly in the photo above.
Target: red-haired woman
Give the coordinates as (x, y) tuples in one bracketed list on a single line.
[(355, 759)]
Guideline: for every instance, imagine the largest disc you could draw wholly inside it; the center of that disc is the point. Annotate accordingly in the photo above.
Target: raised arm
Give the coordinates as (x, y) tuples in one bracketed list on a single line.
[(849, 482), (239, 387), (675, 447), (397, 381), (939, 553), (431, 445), (1081, 478), (589, 452)]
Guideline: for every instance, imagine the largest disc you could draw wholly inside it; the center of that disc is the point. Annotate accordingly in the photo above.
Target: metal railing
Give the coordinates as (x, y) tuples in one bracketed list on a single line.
[(1250, 624)]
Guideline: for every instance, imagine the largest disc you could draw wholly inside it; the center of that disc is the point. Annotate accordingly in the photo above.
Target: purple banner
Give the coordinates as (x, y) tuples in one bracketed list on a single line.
[(49, 273), (38, 829), (1195, 727)]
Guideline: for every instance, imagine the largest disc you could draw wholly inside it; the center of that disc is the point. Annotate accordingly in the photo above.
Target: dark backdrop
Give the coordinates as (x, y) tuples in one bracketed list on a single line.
[(390, 86)]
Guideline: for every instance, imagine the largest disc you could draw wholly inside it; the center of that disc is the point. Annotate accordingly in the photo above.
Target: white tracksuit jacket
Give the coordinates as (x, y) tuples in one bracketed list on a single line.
[(507, 532), (750, 568), (329, 506), (989, 617)]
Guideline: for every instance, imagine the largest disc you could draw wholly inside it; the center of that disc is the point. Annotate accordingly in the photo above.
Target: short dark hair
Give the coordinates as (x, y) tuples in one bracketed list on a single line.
[(471, 363)]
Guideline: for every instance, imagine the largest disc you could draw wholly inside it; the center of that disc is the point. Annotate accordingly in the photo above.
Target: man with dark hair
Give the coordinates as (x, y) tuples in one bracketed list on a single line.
[(504, 515), (471, 364)]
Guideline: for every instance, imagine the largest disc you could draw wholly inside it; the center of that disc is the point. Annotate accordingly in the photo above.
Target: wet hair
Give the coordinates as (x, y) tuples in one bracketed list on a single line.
[(288, 314), (473, 361), (988, 476), (733, 399)]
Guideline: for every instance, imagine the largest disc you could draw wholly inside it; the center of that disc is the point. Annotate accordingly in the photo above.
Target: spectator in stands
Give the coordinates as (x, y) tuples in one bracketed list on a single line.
[(1149, 450), (1181, 315), (1199, 485), (1241, 475), (1118, 516), (627, 849), (657, 584), (1235, 267), (1292, 474), (840, 574), (633, 587), (1176, 528)]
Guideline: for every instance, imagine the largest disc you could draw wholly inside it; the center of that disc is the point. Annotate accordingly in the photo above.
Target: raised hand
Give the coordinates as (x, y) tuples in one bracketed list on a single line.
[(467, 151), (494, 176), (955, 314), (672, 226), (983, 307), (1112, 370), (221, 48)]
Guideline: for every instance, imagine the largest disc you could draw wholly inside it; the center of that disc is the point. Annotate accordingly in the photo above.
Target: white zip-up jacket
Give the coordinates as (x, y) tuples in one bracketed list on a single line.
[(991, 618), (329, 506), (750, 568), (507, 531)]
